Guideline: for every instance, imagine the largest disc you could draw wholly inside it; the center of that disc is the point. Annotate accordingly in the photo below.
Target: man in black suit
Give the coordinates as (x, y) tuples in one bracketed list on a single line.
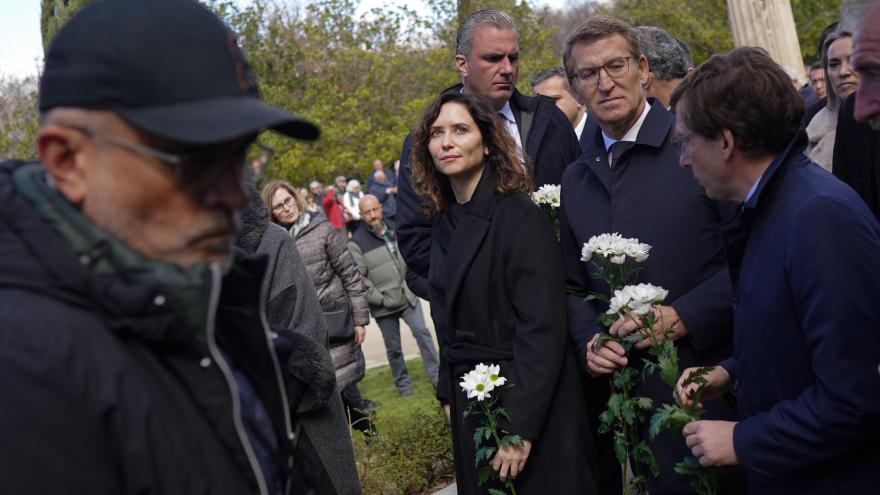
[(628, 181), (487, 57)]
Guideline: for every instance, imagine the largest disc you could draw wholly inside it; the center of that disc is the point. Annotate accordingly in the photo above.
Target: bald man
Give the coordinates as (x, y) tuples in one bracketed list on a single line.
[(374, 247)]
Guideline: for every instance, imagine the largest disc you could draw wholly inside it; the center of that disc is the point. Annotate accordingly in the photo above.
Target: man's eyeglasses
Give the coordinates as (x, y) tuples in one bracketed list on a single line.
[(287, 204), (196, 170), (615, 68), (682, 142)]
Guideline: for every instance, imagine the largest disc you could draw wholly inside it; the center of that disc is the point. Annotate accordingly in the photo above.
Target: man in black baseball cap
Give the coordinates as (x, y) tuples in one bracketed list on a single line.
[(134, 355)]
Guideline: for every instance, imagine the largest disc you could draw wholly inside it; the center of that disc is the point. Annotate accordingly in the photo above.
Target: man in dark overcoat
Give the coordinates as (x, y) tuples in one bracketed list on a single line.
[(487, 57), (629, 182), (857, 146), (135, 353), (804, 259)]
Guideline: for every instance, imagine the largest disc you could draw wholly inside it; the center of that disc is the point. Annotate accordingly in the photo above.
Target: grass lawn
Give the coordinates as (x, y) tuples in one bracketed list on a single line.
[(412, 452)]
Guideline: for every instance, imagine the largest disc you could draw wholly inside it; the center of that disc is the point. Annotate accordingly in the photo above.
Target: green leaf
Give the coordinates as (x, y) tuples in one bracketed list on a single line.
[(478, 435), (648, 368), (668, 363), (514, 440), (642, 454), (688, 467), (615, 402), (503, 412), (486, 473), (668, 417), (620, 449), (643, 403), (479, 456), (495, 491)]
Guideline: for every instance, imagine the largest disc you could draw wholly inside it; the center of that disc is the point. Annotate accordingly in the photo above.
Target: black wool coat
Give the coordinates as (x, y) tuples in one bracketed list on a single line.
[(496, 292), (857, 156)]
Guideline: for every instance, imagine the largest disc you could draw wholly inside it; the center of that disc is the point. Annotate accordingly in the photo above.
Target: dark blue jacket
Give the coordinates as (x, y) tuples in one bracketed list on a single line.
[(648, 196), (807, 325), (550, 143)]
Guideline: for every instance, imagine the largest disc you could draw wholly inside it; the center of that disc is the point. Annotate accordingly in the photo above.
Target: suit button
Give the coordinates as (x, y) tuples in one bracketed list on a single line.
[(734, 302)]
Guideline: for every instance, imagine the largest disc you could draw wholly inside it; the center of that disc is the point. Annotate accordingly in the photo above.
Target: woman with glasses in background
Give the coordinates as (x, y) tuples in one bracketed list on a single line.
[(340, 287)]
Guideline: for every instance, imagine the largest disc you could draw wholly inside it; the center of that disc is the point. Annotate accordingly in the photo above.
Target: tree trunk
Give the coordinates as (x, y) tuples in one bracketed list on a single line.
[(768, 24)]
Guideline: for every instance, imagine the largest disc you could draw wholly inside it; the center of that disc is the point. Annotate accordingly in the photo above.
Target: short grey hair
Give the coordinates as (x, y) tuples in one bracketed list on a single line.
[(668, 57), (547, 74), (464, 38)]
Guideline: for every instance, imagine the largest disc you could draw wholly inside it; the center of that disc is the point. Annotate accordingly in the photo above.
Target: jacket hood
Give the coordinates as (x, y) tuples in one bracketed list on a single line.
[(316, 218)]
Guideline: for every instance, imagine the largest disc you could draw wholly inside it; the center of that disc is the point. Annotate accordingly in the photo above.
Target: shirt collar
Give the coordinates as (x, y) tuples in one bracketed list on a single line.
[(633, 131), (753, 189), (579, 129), (507, 112)]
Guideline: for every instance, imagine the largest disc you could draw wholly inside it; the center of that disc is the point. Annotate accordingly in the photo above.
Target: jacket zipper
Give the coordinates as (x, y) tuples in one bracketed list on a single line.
[(230, 381), (285, 403)]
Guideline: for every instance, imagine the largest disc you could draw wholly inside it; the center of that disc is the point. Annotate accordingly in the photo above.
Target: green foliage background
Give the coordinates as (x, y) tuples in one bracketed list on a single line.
[(366, 78), (705, 27)]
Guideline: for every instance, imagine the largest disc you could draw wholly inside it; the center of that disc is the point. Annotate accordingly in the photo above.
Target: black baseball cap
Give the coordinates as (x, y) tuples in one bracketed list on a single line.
[(168, 67)]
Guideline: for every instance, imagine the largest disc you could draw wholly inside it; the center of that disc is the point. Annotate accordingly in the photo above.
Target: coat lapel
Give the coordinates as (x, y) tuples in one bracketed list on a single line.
[(473, 224), (595, 157)]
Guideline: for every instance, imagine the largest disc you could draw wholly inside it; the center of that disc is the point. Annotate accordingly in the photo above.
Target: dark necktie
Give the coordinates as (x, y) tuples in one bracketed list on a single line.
[(618, 149)]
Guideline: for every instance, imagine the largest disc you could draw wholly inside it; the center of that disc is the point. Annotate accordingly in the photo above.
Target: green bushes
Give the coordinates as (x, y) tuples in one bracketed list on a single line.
[(412, 452)]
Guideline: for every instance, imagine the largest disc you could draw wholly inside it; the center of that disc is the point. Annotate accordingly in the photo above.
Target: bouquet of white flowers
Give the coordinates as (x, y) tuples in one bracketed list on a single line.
[(484, 386), (547, 197)]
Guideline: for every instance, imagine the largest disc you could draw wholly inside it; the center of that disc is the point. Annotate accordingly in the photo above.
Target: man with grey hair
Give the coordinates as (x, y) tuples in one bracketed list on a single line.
[(553, 84), (669, 61), (487, 58)]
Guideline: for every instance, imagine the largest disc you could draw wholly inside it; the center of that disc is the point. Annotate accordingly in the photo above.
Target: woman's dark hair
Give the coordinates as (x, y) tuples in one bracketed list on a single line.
[(502, 158)]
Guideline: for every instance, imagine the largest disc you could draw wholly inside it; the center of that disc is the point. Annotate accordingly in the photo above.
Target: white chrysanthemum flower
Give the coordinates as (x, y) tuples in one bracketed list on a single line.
[(494, 378), (618, 259), (620, 301), (638, 251), (547, 194), (636, 298), (586, 252), (474, 384)]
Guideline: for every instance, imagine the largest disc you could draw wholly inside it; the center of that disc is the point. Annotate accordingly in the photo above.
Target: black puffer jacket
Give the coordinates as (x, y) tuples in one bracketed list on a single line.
[(111, 373)]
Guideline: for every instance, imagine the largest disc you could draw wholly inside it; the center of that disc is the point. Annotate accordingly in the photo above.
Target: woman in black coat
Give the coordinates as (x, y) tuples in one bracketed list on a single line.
[(496, 291)]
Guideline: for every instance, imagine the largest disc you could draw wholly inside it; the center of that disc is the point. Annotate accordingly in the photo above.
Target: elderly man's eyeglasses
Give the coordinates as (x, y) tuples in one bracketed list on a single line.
[(615, 68), (287, 204), (195, 170)]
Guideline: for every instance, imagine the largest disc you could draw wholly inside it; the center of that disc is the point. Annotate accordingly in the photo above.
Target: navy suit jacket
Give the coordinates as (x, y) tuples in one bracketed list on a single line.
[(551, 144), (648, 196), (806, 262)]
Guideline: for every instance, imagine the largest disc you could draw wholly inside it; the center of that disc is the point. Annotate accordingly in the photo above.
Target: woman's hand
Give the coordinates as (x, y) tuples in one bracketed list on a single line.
[(359, 333), (511, 460)]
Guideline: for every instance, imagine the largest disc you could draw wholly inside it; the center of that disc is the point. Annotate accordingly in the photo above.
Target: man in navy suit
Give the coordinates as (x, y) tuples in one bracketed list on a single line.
[(487, 58), (805, 259), (628, 181)]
